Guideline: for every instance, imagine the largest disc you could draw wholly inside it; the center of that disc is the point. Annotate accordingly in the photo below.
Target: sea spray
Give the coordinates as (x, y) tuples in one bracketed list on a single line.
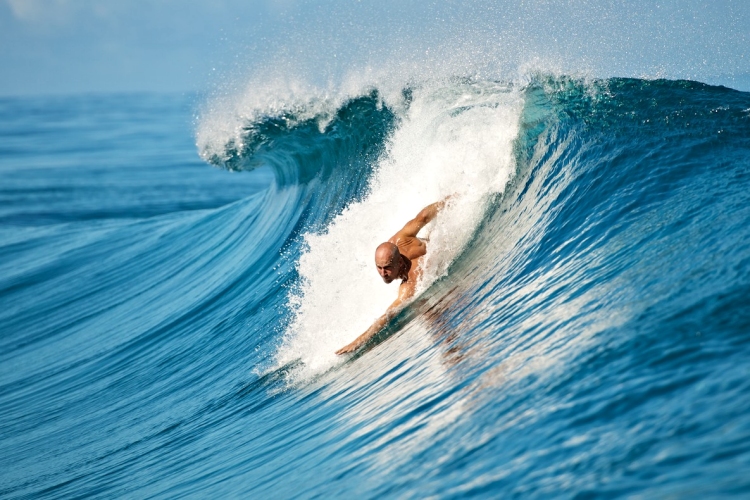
[(454, 139)]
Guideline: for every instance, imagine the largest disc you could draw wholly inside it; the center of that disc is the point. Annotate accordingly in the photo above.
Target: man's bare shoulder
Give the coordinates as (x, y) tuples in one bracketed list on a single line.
[(410, 247)]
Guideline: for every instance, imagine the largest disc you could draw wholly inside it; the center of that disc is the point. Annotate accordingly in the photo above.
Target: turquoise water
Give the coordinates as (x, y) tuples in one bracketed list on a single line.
[(168, 328)]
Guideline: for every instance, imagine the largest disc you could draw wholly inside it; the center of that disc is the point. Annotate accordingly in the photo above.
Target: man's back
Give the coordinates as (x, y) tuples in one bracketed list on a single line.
[(409, 246)]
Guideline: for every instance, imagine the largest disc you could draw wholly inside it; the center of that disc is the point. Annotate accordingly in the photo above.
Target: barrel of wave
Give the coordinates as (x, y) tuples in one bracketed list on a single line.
[(455, 139)]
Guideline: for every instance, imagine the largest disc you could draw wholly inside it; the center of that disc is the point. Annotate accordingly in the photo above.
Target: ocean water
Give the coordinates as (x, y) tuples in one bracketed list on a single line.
[(582, 330)]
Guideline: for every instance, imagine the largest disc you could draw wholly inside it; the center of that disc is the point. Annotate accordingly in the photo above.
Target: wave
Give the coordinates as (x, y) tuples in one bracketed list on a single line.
[(580, 328), (374, 163), (600, 234)]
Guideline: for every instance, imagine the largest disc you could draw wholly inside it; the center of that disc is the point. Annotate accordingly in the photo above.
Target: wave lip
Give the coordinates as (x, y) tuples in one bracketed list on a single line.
[(302, 141)]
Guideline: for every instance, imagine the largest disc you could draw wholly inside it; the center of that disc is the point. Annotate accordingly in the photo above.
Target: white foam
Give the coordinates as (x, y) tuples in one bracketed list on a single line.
[(455, 138), (286, 88)]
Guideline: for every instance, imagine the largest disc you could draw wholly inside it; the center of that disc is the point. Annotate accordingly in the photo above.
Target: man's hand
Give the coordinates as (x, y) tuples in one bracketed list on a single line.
[(348, 348), (370, 332), (362, 339)]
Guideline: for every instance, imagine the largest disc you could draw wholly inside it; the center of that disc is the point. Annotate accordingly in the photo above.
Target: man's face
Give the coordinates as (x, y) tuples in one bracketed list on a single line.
[(387, 268)]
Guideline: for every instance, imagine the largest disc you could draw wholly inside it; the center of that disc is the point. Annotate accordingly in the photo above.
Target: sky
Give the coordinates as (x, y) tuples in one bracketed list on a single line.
[(79, 46)]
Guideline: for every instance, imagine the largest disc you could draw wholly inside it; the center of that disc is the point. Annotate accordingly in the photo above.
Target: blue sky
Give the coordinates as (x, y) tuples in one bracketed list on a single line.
[(73, 46)]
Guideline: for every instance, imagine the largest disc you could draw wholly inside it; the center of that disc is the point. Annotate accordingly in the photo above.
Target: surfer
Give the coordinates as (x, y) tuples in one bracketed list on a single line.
[(399, 258)]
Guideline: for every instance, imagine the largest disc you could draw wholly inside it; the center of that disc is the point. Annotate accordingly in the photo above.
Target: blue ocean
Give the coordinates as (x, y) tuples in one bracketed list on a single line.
[(177, 271)]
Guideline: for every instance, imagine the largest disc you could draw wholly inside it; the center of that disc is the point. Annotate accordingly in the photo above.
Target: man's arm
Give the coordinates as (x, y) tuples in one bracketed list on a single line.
[(405, 292), (369, 333), (422, 219)]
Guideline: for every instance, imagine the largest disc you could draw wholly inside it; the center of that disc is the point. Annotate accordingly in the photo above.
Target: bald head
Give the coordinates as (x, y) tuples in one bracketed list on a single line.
[(388, 261), (386, 252)]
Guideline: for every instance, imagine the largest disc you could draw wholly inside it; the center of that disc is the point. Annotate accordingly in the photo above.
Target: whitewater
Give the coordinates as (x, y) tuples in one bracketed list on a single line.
[(581, 328)]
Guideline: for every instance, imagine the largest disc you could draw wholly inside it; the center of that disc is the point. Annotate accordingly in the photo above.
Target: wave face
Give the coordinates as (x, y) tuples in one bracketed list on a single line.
[(581, 330)]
